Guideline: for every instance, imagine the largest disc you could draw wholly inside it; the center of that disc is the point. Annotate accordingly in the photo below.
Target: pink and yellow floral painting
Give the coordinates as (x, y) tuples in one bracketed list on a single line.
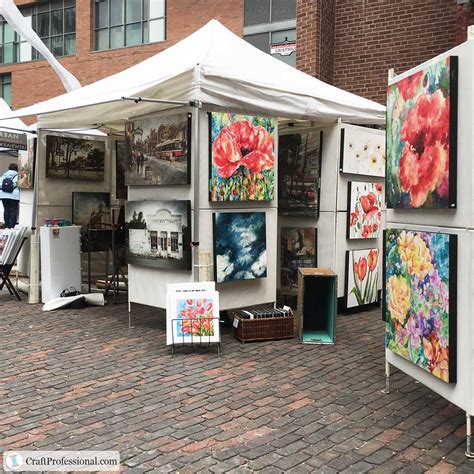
[(364, 218), (242, 157), (422, 137), (362, 277), (420, 299)]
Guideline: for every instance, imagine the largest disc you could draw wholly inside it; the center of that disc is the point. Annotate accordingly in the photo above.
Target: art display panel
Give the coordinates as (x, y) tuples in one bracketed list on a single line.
[(90, 209), (75, 158), (298, 250), (299, 173), (121, 191), (364, 216), (240, 246), (159, 234), (242, 157), (362, 275), (422, 138), (362, 151), (159, 150), (26, 166), (420, 292)]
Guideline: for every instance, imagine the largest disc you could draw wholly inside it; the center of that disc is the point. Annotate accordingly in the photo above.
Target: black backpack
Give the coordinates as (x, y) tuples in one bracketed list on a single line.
[(8, 185)]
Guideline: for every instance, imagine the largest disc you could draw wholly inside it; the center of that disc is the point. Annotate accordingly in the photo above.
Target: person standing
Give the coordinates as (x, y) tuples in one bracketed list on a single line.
[(10, 195)]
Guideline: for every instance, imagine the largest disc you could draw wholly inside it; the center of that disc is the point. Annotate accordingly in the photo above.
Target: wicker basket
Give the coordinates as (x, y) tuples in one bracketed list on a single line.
[(264, 329)]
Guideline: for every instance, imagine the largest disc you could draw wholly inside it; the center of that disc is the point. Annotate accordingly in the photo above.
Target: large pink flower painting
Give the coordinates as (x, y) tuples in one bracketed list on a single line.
[(242, 157), (421, 138)]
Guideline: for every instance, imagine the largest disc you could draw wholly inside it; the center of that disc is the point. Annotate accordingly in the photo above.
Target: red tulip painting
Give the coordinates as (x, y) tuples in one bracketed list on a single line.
[(365, 210), (242, 157), (422, 138), (362, 277)]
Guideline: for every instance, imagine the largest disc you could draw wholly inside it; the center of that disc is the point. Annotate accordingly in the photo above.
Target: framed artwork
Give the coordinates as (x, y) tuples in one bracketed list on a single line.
[(159, 150), (193, 317), (159, 234), (242, 159), (240, 246), (362, 275), (90, 209), (26, 165), (362, 151), (298, 250), (364, 216), (422, 138), (75, 158), (299, 173), (121, 191), (420, 291)]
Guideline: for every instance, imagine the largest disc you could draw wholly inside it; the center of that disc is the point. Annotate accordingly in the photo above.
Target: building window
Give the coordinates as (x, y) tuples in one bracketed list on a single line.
[(55, 24), (120, 23), (174, 242), (6, 88), (270, 25)]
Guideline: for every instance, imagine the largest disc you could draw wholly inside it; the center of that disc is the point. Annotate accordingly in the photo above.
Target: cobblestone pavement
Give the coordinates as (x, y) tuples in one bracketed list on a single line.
[(83, 380)]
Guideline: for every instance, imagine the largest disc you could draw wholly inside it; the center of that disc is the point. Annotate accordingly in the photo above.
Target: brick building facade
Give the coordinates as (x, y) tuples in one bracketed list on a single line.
[(349, 43)]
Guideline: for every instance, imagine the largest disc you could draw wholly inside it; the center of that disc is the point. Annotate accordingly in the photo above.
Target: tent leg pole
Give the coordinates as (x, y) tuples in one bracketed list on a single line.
[(469, 453), (130, 315), (386, 390)]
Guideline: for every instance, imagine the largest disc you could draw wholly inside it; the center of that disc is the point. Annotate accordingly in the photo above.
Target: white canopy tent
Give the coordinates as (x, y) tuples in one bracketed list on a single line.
[(213, 66)]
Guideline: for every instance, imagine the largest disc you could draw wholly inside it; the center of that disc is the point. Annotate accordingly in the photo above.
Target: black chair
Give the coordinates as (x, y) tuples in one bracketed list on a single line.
[(5, 274)]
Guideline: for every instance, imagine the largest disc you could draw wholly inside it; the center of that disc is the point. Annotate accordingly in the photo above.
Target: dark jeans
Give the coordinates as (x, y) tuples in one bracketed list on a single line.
[(10, 212)]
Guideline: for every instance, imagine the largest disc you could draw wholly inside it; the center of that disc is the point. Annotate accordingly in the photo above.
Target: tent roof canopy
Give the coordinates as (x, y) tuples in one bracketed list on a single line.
[(213, 66)]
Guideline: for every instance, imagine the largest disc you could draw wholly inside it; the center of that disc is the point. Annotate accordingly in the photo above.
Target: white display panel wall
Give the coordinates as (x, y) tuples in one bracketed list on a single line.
[(148, 285)]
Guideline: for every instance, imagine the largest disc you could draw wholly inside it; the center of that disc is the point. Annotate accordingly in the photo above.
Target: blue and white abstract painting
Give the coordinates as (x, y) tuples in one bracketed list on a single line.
[(240, 246)]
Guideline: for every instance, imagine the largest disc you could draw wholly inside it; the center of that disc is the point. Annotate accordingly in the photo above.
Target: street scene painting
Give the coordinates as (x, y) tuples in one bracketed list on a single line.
[(422, 138), (90, 209), (240, 246), (26, 166), (299, 173), (362, 276), (298, 250), (364, 216), (362, 151), (242, 163), (420, 299), (75, 158), (159, 233), (159, 150)]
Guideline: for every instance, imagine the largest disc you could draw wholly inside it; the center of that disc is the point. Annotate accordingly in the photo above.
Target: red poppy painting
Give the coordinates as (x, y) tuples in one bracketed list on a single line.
[(242, 157), (421, 138)]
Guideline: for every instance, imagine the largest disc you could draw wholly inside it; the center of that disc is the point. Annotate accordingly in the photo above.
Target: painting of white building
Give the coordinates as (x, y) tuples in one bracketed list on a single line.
[(159, 233)]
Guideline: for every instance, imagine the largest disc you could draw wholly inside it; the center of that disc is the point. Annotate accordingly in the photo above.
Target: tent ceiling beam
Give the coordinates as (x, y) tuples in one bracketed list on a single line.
[(190, 103)]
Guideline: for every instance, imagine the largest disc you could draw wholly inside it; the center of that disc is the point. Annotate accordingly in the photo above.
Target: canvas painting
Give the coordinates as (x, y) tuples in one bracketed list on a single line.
[(362, 275), (299, 173), (420, 299), (26, 166), (74, 158), (364, 216), (121, 191), (90, 209), (298, 250), (242, 157), (422, 138), (159, 234), (193, 317), (159, 150), (240, 246), (362, 151)]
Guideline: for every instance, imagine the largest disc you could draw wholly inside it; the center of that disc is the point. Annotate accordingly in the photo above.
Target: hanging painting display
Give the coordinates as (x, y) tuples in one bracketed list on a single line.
[(26, 166), (420, 299), (240, 246), (298, 250), (362, 151), (422, 138), (193, 317), (364, 216), (159, 150), (159, 234), (121, 191), (299, 173), (90, 209), (75, 158), (242, 160)]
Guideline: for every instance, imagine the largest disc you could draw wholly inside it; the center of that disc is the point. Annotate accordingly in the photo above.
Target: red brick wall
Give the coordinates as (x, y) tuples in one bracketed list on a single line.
[(327, 31), (464, 18), (35, 81)]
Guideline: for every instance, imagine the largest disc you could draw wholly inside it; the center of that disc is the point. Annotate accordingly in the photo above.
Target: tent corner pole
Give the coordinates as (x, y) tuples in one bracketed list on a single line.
[(196, 104), (35, 282)]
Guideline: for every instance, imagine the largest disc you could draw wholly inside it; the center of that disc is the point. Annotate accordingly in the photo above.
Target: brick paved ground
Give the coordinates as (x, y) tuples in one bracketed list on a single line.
[(83, 380)]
